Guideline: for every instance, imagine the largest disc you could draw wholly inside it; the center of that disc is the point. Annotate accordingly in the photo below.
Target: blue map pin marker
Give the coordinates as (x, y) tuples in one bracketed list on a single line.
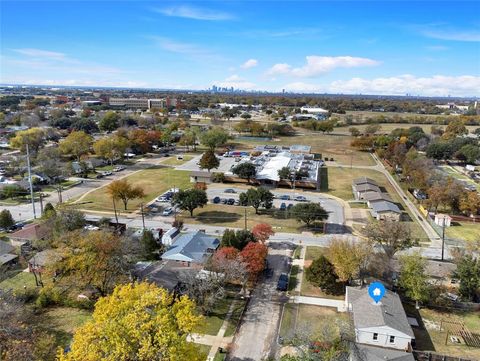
[(376, 291)]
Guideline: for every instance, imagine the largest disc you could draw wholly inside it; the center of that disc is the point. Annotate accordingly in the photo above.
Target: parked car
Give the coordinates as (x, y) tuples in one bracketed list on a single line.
[(229, 190), (300, 199), (224, 200), (180, 157), (166, 155), (284, 197), (106, 173), (237, 202), (231, 201), (283, 206), (167, 211), (216, 200), (290, 205), (282, 284), (118, 168)]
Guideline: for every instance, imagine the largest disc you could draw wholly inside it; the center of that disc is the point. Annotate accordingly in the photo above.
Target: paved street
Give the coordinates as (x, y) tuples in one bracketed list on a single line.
[(256, 338)]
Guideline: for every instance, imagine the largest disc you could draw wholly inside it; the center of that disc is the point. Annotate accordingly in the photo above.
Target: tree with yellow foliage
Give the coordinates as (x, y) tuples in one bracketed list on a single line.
[(139, 322)]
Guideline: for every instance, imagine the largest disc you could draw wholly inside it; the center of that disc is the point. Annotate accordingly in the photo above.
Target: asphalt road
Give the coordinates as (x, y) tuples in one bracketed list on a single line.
[(257, 336)]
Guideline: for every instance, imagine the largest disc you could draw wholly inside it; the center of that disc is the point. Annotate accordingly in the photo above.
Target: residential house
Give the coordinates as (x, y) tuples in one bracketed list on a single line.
[(443, 220), (200, 177), (7, 256), (169, 236), (42, 259), (29, 233), (373, 197), (360, 191), (372, 353), (384, 210), (383, 324), (192, 248)]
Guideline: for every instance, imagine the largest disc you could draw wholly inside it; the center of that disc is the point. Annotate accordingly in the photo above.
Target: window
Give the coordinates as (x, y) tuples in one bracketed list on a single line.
[(375, 336), (392, 339)]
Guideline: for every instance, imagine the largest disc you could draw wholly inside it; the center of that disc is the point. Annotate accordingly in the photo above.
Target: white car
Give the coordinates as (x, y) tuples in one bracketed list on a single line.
[(167, 211), (180, 157)]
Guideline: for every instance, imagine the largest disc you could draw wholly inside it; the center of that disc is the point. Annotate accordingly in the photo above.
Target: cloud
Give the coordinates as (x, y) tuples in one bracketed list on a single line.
[(236, 82), (250, 63), (438, 85), (437, 47), (277, 69), (193, 50), (317, 65), (39, 53), (190, 12), (451, 34)]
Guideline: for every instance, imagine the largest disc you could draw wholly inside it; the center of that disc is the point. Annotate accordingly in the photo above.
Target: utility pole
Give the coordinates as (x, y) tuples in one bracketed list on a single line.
[(30, 182), (245, 218), (443, 238), (143, 217), (115, 210), (41, 204)]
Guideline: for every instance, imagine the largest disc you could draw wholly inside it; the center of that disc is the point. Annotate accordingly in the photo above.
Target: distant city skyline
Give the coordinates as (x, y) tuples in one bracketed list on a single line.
[(393, 48)]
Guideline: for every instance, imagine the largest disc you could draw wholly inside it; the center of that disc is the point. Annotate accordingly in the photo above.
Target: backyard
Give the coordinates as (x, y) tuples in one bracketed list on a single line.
[(432, 335), (467, 231)]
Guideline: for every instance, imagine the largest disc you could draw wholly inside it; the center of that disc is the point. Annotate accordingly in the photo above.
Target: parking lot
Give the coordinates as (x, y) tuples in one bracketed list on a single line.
[(334, 208)]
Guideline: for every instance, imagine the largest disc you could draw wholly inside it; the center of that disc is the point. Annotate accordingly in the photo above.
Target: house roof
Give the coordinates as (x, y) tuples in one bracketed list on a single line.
[(389, 312), (364, 180), (273, 165), (43, 258), (377, 196), (384, 206), (373, 353), (200, 173), (7, 257), (30, 232), (366, 187), (6, 248), (191, 247)]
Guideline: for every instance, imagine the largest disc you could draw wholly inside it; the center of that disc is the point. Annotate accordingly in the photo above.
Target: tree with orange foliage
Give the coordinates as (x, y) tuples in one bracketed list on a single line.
[(262, 232), (254, 255), (229, 253)]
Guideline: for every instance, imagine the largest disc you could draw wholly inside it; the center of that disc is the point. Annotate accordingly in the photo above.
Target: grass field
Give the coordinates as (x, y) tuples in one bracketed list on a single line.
[(234, 216), (203, 350), (154, 182), (175, 161), (431, 338), (61, 322), (210, 325), (465, 231), (331, 146), (19, 282), (310, 320), (388, 127)]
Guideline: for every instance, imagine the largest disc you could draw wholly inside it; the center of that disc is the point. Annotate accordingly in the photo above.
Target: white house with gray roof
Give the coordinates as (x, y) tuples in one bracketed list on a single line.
[(382, 325), (192, 247)]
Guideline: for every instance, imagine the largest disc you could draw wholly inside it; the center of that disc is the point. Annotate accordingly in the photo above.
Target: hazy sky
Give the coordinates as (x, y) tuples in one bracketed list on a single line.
[(370, 47)]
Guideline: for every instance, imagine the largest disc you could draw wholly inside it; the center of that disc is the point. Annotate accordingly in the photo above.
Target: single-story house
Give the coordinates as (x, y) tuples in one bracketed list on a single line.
[(361, 190), (200, 177), (382, 324), (364, 180), (169, 236), (371, 353), (7, 257), (384, 210), (42, 259), (31, 232), (372, 197), (193, 247)]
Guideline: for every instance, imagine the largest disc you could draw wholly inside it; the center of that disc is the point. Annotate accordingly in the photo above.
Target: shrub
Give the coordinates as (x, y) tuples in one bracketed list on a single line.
[(218, 177)]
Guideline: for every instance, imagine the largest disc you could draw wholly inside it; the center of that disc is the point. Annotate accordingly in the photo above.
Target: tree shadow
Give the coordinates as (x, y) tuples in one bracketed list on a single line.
[(211, 217)]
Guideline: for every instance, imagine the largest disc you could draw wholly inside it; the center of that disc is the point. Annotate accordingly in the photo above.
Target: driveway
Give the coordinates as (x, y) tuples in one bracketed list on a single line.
[(257, 336)]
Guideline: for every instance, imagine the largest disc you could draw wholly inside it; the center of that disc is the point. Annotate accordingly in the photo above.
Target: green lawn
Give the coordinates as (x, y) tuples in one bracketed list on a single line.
[(203, 350), (174, 161), (211, 323), (154, 182), (235, 317), (18, 282), (219, 356), (467, 231), (292, 280), (234, 216), (313, 252), (61, 322)]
